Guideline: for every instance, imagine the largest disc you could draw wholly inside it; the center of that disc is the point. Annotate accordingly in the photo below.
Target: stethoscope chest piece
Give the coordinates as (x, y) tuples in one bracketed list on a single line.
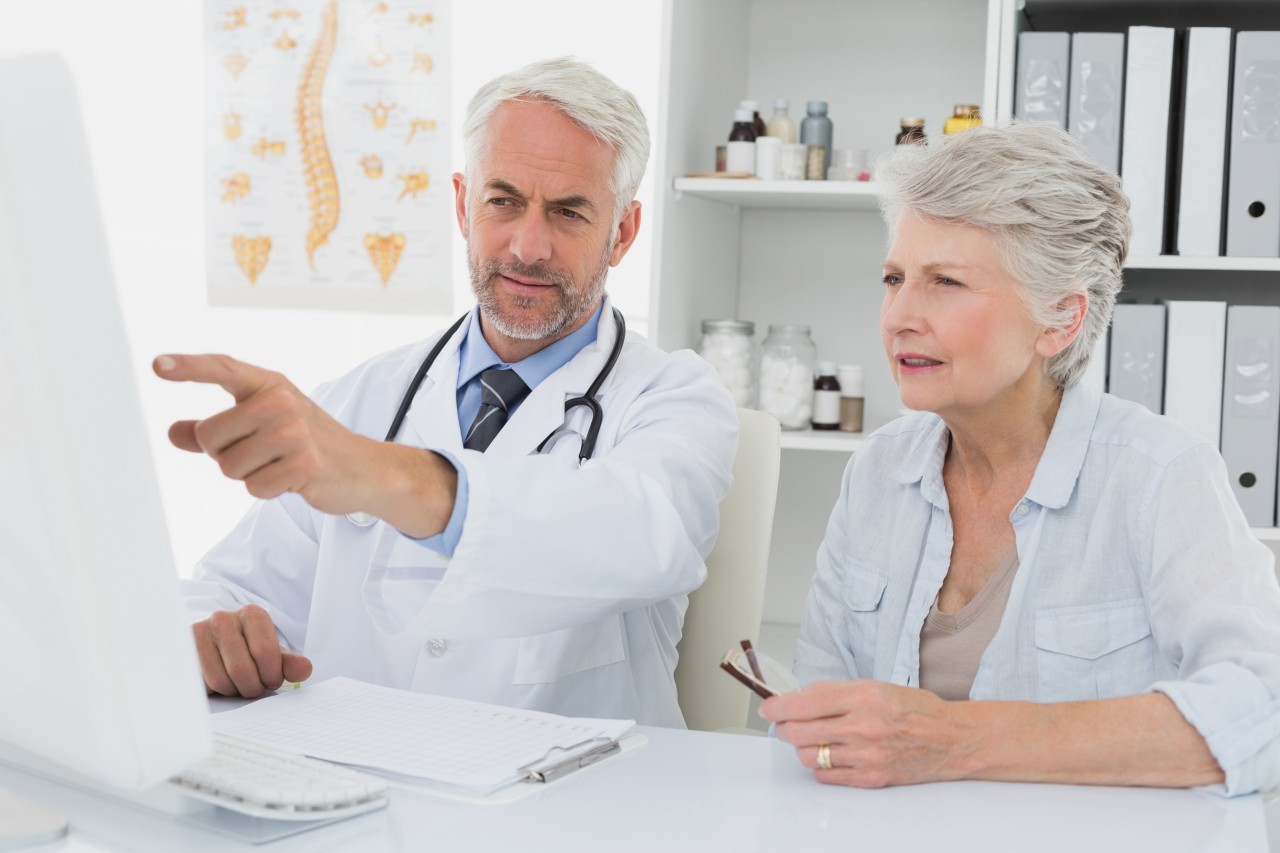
[(362, 519)]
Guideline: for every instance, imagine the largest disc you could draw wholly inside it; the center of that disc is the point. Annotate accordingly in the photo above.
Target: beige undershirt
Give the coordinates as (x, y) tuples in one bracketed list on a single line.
[(951, 644)]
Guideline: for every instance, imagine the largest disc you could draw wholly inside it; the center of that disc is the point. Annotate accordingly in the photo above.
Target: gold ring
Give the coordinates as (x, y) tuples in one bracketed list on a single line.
[(824, 756)]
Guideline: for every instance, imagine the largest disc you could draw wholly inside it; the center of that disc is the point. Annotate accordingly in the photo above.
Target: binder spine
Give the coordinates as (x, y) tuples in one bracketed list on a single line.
[(1253, 203)]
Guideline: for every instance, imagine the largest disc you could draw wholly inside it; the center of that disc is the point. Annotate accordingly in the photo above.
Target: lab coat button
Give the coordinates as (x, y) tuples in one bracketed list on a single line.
[(437, 648)]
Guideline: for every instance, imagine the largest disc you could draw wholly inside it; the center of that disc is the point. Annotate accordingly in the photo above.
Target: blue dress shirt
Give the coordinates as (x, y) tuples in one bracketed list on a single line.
[(1138, 573), (476, 356)]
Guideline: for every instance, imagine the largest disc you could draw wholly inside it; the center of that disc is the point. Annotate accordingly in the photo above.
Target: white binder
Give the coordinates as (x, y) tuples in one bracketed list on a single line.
[(1044, 71), (1095, 376), (1096, 94), (1204, 141), (1253, 200), (1148, 90), (1251, 409), (1196, 335), (1136, 370)]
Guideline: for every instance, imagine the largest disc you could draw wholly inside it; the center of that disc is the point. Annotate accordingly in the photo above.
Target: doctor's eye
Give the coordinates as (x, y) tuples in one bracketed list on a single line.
[(891, 279)]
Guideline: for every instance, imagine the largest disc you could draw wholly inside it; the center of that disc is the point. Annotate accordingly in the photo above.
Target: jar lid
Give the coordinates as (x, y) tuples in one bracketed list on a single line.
[(851, 380), (816, 107), (966, 111), (754, 106), (742, 115), (766, 141), (743, 326), (781, 104), (826, 368), (788, 328), (911, 122)]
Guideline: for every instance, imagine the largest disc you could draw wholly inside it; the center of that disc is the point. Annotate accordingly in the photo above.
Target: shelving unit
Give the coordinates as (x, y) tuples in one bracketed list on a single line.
[(810, 251), (793, 195)]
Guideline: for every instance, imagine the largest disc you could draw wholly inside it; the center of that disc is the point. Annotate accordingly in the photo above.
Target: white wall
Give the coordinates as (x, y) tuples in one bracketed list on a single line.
[(138, 64)]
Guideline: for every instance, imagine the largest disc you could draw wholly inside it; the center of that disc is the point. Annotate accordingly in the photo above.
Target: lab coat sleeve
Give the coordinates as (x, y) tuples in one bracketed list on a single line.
[(820, 654), (1215, 611), (549, 544), (268, 559)]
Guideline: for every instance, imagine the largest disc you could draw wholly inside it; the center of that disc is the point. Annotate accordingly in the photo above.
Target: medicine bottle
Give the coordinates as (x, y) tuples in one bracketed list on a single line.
[(816, 130), (851, 397), (780, 123), (965, 116), (757, 123), (743, 129), (826, 397), (786, 375), (912, 132), (728, 346)]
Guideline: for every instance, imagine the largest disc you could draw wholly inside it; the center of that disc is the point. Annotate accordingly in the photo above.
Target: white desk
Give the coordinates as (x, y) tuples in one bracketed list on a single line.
[(696, 791)]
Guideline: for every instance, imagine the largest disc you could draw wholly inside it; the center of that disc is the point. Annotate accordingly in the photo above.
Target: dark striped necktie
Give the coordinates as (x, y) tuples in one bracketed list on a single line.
[(500, 391)]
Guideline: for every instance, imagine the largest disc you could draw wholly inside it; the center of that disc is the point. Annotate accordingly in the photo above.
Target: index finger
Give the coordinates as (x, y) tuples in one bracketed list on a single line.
[(818, 700), (238, 378)]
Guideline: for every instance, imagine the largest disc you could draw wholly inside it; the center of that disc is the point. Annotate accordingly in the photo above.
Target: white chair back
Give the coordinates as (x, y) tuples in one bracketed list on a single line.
[(727, 608)]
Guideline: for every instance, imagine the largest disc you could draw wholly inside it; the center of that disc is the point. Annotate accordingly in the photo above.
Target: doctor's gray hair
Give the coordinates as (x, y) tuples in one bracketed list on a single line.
[(1061, 222), (601, 107)]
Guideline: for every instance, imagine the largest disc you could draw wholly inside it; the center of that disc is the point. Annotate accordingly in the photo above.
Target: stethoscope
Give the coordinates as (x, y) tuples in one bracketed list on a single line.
[(364, 519)]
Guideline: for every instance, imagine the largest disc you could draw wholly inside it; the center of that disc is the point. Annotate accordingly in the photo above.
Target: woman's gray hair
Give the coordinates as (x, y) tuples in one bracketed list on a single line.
[(1061, 222), (601, 107)]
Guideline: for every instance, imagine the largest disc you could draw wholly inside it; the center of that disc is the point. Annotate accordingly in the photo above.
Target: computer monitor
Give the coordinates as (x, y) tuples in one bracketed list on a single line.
[(98, 671)]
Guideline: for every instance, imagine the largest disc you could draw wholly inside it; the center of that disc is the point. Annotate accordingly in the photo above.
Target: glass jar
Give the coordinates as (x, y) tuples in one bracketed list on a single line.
[(786, 375), (729, 347), (965, 116), (911, 133)]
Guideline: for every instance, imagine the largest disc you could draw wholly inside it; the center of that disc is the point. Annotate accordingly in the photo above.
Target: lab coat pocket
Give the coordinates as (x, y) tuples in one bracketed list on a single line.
[(544, 658), (863, 589), (1095, 651)]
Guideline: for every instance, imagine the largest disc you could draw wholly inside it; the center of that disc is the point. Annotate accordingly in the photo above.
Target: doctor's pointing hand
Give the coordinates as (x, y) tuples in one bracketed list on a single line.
[(277, 440)]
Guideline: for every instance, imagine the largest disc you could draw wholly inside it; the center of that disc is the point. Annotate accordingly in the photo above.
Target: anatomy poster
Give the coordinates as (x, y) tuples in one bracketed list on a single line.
[(328, 167)]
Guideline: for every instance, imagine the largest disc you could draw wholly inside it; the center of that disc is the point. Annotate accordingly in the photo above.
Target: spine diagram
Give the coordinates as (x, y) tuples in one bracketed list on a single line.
[(317, 165)]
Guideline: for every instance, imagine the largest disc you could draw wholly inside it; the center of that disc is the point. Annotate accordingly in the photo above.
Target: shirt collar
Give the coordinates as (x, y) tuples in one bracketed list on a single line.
[(475, 355), (1060, 463)]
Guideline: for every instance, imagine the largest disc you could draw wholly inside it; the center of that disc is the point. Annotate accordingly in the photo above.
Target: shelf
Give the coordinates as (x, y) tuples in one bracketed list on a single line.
[(812, 439), (1179, 262), (796, 195), (1267, 534)]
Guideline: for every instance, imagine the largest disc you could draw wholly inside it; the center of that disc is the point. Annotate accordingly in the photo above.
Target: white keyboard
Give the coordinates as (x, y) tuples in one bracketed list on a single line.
[(262, 782)]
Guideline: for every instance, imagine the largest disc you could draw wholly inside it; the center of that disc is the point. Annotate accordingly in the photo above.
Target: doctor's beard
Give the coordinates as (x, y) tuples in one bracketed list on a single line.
[(571, 300)]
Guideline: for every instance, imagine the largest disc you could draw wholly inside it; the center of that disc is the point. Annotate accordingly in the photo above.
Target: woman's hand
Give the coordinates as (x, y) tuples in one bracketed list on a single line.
[(877, 734)]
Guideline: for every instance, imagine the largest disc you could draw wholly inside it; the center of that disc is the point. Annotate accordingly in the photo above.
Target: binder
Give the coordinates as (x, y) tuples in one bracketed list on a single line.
[(1253, 199), (1196, 334), (1144, 161), (1095, 376), (1044, 70), (1204, 141), (1096, 95), (1136, 370), (1251, 409)]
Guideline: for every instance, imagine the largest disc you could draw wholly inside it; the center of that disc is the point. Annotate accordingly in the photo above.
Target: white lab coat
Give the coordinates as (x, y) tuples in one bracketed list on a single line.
[(568, 587)]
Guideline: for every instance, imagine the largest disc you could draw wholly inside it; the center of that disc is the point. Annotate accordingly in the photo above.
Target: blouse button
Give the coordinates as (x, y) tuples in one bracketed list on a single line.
[(437, 648)]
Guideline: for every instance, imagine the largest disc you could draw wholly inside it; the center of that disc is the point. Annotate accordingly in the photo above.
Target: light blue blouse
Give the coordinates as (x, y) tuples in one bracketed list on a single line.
[(1138, 573)]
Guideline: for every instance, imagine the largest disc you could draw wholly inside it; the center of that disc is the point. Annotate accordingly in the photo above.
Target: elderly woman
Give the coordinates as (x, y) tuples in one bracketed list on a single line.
[(1067, 575)]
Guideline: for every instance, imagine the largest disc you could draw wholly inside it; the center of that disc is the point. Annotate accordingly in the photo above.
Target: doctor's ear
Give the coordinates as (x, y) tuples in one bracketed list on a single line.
[(460, 201)]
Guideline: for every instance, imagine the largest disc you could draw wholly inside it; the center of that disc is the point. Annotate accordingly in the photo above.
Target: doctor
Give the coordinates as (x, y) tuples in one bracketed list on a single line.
[(484, 550)]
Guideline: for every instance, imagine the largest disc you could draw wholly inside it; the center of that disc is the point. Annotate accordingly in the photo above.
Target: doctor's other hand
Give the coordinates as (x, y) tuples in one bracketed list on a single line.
[(240, 654), (276, 440), (877, 734)]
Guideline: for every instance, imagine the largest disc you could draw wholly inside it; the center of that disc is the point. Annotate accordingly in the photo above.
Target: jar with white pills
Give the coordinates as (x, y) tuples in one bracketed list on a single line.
[(786, 374), (729, 347)]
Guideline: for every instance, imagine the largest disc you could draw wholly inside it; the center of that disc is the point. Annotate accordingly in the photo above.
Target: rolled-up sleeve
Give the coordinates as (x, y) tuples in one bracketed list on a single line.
[(1215, 612)]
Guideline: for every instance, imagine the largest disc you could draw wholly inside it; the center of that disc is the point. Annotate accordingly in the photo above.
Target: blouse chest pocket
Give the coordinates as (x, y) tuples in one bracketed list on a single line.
[(1096, 651), (864, 587)]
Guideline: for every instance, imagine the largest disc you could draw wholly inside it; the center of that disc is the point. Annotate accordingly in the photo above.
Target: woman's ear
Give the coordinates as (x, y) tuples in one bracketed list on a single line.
[(1054, 340)]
